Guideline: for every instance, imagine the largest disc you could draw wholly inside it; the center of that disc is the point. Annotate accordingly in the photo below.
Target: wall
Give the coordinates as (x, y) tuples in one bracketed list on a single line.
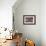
[(43, 22), (6, 13), (28, 7)]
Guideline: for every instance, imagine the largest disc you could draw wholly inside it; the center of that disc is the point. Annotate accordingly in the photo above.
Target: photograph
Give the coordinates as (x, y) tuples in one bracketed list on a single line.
[(22, 22)]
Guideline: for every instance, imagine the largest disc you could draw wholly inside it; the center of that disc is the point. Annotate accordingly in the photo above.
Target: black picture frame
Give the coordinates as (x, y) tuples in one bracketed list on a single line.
[(29, 19)]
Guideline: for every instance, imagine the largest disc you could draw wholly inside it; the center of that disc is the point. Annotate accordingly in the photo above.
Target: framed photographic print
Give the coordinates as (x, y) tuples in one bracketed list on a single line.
[(29, 19)]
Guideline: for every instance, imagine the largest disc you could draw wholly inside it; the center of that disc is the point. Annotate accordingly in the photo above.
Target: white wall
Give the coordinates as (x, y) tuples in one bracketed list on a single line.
[(38, 31), (28, 7), (43, 22), (6, 13)]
